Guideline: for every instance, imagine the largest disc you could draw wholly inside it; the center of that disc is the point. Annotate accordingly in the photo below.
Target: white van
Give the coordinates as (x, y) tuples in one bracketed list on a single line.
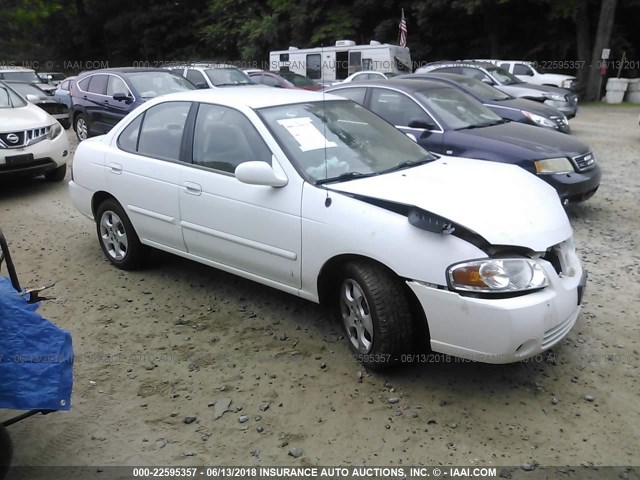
[(338, 62)]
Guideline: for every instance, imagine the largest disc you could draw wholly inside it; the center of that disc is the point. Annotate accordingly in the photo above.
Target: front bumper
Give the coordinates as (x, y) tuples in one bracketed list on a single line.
[(505, 330), (575, 186), (569, 109), (46, 155)]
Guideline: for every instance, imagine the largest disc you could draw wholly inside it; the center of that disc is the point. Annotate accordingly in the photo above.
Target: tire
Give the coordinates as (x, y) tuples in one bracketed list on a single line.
[(6, 451), (66, 124), (56, 175), (375, 313), (118, 239), (81, 126)]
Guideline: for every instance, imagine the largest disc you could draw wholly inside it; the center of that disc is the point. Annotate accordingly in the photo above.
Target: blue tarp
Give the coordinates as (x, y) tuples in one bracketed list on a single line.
[(36, 357)]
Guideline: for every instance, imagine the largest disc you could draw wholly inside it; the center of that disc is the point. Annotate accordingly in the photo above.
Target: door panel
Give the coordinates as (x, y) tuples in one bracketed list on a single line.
[(255, 229), (146, 181)]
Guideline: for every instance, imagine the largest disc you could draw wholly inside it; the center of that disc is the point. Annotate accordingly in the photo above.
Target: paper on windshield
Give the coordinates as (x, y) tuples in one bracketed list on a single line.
[(306, 133)]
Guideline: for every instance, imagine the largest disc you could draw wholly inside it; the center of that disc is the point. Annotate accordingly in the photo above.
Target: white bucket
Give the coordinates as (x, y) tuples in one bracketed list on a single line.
[(633, 91), (615, 89)]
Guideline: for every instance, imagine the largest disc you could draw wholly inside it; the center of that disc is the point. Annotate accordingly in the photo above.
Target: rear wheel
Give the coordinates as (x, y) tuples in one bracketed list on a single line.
[(56, 175), (118, 239), (81, 127), (375, 314)]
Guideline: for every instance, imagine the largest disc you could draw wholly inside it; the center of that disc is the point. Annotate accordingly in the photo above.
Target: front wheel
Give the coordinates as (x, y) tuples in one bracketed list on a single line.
[(118, 239), (375, 313)]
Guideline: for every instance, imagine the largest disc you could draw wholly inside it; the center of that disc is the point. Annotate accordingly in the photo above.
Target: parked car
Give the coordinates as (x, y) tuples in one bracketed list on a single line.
[(32, 142), (558, 98), (527, 72), (213, 75), (447, 121), (52, 78), (270, 79), (300, 81), (510, 108), (63, 91), (327, 201), (101, 98), (20, 74), (49, 104), (366, 75)]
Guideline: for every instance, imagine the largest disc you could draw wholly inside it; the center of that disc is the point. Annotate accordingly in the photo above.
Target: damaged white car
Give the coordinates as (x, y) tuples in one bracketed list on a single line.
[(316, 196)]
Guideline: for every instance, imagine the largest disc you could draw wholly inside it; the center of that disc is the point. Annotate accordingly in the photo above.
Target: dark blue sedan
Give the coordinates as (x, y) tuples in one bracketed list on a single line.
[(508, 107), (447, 121)]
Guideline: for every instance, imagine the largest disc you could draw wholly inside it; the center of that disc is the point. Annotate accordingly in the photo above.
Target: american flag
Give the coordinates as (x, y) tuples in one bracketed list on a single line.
[(402, 37)]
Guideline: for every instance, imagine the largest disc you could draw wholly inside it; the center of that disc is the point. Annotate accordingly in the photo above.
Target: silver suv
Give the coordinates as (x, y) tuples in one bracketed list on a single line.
[(559, 98)]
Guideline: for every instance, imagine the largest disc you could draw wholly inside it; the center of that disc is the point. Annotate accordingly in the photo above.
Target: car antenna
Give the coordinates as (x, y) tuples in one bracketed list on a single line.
[(327, 201)]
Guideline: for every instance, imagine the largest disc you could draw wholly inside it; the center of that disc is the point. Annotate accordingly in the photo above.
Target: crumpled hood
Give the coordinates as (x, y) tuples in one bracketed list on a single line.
[(24, 118), (502, 203)]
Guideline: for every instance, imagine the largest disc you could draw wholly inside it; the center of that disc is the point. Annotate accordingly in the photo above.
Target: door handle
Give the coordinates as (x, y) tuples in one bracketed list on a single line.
[(192, 188), (115, 168)]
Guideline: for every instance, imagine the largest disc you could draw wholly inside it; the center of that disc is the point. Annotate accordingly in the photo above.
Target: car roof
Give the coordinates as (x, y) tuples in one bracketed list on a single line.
[(252, 96), (16, 69), (404, 84), (458, 63), (435, 75), (123, 70)]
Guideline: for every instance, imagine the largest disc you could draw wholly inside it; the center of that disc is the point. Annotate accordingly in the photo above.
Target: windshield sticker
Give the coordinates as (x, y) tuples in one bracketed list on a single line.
[(306, 134)]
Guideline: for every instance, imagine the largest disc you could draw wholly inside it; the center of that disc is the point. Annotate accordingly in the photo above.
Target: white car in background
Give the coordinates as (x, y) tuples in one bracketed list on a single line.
[(366, 75), (32, 142), (316, 196), (527, 72)]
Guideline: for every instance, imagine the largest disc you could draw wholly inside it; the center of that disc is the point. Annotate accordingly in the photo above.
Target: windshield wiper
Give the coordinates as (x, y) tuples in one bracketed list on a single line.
[(345, 177), (408, 164), (485, 124)]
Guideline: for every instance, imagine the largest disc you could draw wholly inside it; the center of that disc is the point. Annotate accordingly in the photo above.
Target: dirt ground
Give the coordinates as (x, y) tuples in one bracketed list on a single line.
[(157, 348)]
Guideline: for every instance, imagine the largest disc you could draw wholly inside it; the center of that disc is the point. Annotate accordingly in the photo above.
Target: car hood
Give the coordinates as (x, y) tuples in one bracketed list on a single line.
[(540, 142), (502, 203), (529, 106), (24, 118)]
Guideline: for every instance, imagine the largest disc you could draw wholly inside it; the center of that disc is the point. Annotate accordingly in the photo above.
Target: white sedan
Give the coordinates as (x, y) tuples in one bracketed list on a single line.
[(316, 196)]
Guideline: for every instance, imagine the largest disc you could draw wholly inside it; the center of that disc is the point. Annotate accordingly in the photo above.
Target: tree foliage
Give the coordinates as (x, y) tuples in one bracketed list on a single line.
[(124, 31)]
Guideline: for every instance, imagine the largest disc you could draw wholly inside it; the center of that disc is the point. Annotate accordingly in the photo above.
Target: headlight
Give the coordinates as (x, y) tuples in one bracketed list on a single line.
[(55, 130), (538, 119), (555, 96), (553, 165), (567, 83), (497, 275)]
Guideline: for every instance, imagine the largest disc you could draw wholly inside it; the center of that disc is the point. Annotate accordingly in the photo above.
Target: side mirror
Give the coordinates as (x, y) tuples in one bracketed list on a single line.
[(33, 98), (122, 97), (421, 123), (201, 85), (259, 173), (487, 80)]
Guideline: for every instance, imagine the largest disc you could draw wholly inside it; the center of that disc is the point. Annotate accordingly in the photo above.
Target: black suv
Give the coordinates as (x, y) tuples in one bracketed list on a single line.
[(101, 98)]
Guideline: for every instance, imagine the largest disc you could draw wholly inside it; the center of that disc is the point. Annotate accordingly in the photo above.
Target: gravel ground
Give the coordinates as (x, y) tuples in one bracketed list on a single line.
[(161, 352)]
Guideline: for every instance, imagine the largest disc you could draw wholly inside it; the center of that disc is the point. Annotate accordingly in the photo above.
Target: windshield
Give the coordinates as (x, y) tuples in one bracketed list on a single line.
[(482, 90), (297, 80), (25, 89), (502, 76), (21, 76), (457, 109), (225, 76), (153, 84), (9, 98), (338, 140)]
